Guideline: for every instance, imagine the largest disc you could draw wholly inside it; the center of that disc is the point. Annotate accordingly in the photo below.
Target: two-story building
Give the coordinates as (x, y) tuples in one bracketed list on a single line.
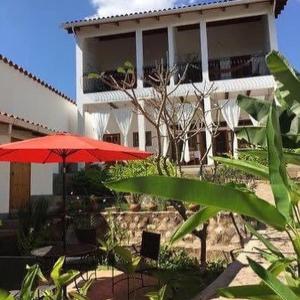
[(225, 42)]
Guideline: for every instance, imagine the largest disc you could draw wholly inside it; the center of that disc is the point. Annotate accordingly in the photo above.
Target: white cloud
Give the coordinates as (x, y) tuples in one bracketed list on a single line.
[(116, 7)]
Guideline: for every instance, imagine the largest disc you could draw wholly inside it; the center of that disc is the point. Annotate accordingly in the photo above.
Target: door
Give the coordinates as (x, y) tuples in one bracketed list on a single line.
[(20, 181)]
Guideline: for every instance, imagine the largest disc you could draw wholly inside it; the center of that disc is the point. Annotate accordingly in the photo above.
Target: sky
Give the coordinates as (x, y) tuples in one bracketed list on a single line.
[(31, 33)]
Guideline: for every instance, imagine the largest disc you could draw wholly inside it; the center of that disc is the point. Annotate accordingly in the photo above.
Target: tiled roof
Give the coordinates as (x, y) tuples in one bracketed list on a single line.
[(35, 78), (81, 22), (11, 116)]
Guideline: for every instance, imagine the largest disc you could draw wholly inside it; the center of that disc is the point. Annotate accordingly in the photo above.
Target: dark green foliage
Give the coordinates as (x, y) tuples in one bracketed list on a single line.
[(89, 182), (177, 260), (34, 226)]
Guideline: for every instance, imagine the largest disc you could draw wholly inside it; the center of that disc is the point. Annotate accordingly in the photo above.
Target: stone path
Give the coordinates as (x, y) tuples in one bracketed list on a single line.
[(241, 273)]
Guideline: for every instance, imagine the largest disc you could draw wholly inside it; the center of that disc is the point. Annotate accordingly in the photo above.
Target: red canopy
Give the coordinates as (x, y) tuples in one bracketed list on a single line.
[(74, 148)]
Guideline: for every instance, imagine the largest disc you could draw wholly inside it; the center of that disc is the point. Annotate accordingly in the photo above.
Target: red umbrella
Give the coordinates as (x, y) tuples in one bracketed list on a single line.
[(66, 148)]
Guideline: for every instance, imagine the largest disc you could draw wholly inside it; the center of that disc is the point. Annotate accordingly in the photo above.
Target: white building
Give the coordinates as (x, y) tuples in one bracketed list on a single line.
[(29, 108), (226, 41)]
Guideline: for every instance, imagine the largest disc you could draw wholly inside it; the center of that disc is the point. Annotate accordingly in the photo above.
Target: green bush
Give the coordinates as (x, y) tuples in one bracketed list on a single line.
[(90, 182), (174, 259), (137, 168)]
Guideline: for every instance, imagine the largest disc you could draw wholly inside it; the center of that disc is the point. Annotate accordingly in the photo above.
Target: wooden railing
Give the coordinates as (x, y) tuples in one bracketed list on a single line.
[(237, 67)]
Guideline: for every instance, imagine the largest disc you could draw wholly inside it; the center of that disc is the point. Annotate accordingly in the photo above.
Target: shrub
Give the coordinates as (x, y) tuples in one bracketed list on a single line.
[(90, 182), (174, 259)]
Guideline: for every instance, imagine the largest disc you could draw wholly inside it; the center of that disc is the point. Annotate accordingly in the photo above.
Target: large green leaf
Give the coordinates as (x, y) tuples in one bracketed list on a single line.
[(265, 241), (252, 168), (257, 291), (4, 295), (205, 193), (27, 289), (193, 222), (252, 135), (277, 169), (283, 291), (283, 73), (257, 108)]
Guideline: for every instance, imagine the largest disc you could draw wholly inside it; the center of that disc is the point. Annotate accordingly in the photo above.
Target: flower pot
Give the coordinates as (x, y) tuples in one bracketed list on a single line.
[(86, 236), (135, 207), (194, 207)]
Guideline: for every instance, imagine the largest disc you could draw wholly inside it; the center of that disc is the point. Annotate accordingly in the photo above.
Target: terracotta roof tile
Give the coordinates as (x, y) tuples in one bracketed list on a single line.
[(35, 78), (26, 121), (68, 25)]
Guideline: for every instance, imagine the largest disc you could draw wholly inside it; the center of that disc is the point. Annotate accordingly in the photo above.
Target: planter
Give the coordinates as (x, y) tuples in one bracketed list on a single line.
[(86, 236), (194, 207), (152, 207), (135, 207)]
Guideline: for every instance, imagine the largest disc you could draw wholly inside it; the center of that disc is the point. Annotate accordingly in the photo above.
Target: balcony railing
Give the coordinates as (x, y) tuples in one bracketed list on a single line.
[(237, 67), (96, 85), (193, 72)]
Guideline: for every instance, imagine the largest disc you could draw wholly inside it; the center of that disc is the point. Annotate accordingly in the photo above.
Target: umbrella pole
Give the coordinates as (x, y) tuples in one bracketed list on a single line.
[(64, 202)]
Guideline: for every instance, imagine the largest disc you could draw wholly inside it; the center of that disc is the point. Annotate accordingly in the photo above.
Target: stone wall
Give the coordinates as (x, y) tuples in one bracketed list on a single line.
[(222, 236)]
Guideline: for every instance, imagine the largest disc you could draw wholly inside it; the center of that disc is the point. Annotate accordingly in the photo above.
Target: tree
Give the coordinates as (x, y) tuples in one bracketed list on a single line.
[(173, 119)]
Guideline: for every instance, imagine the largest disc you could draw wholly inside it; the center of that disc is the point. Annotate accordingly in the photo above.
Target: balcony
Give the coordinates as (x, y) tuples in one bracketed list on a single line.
[(95, 85), (237, 67)]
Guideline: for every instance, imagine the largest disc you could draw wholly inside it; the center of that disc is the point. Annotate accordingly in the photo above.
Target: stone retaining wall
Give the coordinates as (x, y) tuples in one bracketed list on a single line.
[(222, 236)]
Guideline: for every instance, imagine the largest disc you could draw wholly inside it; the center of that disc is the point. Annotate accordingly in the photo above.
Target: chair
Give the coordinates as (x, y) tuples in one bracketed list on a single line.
[(149, 254)]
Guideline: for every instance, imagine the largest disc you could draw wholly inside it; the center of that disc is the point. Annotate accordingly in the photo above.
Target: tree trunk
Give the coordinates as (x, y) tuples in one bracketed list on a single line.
[(203, 240)]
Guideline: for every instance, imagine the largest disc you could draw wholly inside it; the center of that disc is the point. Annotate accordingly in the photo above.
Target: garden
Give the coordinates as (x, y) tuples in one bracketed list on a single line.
[(115, 207)]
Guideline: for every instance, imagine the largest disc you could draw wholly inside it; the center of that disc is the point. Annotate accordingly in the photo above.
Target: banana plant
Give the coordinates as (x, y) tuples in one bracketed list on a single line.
[(288, 97), (284, 215), (29, 290)]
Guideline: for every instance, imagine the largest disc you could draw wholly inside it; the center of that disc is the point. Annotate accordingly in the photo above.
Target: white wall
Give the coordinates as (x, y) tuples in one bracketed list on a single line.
[(4, 180), (237, 39), (25, 98)]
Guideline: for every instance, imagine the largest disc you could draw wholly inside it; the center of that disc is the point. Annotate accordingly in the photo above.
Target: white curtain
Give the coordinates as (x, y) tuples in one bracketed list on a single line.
[(225, 66), (231, 113), (164, 133), (123, 118), (259, 65), (184, 115), (101, 121)]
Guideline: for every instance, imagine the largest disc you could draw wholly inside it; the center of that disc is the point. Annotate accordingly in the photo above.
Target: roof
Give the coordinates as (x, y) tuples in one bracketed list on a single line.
[(17, 121), (279, 6), (35, 78)]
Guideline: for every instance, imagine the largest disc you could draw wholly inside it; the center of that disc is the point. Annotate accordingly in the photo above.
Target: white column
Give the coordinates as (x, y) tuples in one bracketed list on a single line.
[(204, 50), (208, 119), (272, 31), (171, 47), (141, 129), (79, 69), (139, 57)]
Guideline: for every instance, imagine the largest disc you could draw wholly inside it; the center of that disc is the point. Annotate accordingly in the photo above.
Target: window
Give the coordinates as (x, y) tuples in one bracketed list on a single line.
[(148, 139), (114, 138), (135, 139)]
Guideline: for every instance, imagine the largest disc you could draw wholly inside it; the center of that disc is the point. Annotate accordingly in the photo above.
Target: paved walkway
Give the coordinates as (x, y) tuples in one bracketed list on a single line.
[(240, 273)]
